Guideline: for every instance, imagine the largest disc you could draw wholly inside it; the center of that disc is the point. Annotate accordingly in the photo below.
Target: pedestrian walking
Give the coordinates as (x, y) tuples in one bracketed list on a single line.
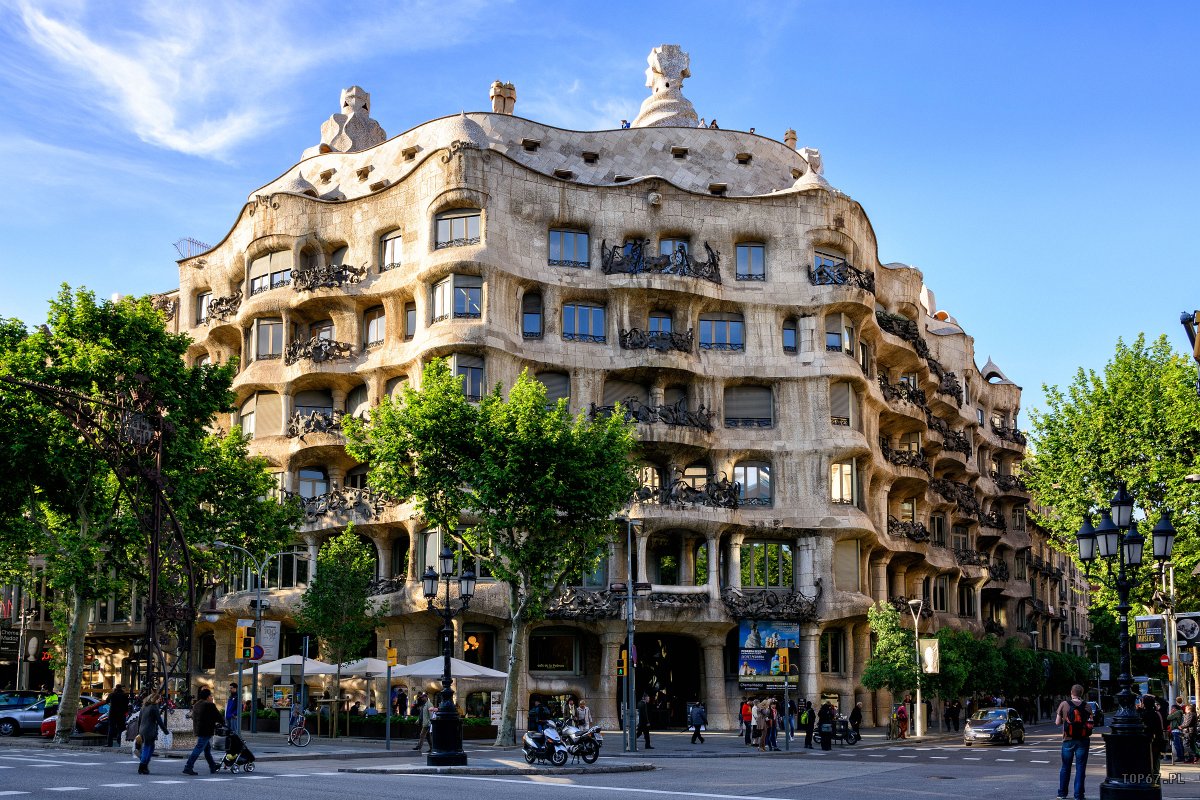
[(584, 713), (902, 718), (1075, 716), (771, 740), (855, 718), (426, 721), (150, 723), (118, 710), (747, 717), (231, 709), (808, 718), (205, 717), (1148, 709), (697, 719), (953, 708), (1188, 727), (825, 719), (643, 721)]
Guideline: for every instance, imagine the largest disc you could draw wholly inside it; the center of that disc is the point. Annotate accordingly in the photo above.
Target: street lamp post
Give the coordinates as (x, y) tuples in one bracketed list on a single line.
[(916, 605), (446, 729), (1116, 540), (630, 681)]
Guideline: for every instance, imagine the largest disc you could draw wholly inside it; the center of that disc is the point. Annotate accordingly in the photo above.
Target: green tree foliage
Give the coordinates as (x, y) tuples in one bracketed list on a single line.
[(1138, 421), (61, 499), (538, 487), (336, 607), (893, 664)]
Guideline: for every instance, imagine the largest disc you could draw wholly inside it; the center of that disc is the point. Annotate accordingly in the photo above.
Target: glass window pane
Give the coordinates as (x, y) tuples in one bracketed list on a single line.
[(556, 246)]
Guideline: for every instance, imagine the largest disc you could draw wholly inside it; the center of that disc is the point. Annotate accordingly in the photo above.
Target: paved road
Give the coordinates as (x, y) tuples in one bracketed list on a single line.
[(918, 770)]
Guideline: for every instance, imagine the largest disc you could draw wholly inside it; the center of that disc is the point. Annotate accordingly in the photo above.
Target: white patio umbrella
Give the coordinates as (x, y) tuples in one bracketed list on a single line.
[(367, 668), (432, 668), (311, 666)]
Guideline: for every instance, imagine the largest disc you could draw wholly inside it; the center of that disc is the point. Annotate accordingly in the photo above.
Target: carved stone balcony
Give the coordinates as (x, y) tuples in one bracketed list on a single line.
[(632, 259), (903, 391), (714, 493), (660, 341), (962, 495), (317, 350), (910, 530), (842, 274), (771, 604), (675, 415), (904, 458), (331, 276), (223, 308)]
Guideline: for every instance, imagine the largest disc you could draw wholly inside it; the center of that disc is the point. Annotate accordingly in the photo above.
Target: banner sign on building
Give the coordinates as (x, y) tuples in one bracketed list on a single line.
[(1187, 629), (931, 663), (1150, 632), (266, 636), (766, 651), (10, 640)]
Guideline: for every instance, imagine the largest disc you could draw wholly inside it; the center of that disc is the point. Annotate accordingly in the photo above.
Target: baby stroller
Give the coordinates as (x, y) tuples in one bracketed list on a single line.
[(237, 755)]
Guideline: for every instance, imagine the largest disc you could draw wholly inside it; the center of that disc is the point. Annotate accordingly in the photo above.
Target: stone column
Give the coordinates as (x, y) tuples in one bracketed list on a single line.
[(339, 399), (721, 715), (810, 635), (687, 561), (879, 580), (898, 578), (642, 567), (314, 545), (861, 644), (714, 566), (606, 702), (413, 539), (287, 405), (735, 559), (382, 553), (806, 579)]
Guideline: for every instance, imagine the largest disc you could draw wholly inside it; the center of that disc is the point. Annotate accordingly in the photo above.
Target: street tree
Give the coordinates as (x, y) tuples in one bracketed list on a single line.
[(1137, 420), (65, 501), (337, 607), (893, 664), (536, 487)]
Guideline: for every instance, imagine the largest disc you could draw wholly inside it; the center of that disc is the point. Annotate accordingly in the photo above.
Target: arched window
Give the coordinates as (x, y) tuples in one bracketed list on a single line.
[(457, 228), (394, 388), (754, 478), (749, 407), (531, 315), (338, 257)]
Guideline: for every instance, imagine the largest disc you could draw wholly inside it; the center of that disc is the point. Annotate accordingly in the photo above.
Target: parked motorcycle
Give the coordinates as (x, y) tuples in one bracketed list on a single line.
[(545, 746), (585, 743), (843, 731)]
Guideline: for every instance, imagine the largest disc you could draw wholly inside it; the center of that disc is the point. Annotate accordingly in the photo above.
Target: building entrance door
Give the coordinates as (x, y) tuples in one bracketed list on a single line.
[(669, 670)]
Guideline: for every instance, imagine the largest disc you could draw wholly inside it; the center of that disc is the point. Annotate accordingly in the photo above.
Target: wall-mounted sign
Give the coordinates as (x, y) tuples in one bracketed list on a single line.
[(1187, 629), (766, 652)]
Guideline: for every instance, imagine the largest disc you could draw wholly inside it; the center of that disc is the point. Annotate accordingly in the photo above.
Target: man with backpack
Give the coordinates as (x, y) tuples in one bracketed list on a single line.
[(1075, 716)]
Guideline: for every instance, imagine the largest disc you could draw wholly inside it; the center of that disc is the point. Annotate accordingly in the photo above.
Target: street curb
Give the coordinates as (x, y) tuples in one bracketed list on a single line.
[(594, 770)]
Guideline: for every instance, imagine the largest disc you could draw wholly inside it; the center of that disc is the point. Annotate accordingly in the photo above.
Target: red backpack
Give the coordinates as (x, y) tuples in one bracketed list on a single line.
[(1079, 722)]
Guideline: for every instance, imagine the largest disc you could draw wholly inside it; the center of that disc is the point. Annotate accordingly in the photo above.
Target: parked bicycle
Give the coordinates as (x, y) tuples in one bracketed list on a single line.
[(299, 735)]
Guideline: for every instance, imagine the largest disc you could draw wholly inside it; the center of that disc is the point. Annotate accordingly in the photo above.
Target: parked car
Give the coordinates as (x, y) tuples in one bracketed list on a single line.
[(14, 722), (998, 725), (1097, 713), (19, 698), (87, 720)]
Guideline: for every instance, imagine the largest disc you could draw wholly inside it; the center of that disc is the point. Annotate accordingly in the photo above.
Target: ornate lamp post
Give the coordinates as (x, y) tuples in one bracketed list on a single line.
[(446, 728), (1117, 542), (916, 605)]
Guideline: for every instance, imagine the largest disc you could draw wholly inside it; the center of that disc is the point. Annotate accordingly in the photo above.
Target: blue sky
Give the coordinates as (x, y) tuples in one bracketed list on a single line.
[(1036, 160)]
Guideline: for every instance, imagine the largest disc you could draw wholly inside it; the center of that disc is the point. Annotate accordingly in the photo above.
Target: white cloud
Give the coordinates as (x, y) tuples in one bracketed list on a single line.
[(573, 106)]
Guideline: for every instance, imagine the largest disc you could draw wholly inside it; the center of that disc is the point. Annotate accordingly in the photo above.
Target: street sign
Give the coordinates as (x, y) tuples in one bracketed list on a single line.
[(1165, 660), (258, 652)]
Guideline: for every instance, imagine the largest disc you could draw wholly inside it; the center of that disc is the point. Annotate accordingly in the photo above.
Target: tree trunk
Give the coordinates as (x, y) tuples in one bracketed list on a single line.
[(337, 700), (507, 733), (68, 703)]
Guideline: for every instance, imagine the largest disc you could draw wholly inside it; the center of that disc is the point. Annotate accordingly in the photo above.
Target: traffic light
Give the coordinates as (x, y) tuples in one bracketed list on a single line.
[(621, 663), (245, 642), (391, 652)]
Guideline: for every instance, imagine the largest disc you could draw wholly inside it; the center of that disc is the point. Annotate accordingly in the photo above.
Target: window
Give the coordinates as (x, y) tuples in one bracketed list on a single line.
[(847, 565), (389, 251), (270, 271), (839, 334), (314, 482), (670, 247), (696, 475), (911, 441), (826, 259), (937, 529), (660, 322), (843, 483), (624, 392), (322, 329), (204, 360), (458, 295), (268, 338), (552, 651), (749, 407), (457, 228), (399, 556), (569, 249), (1018, 518), (941, 593), (356, 478), (374, 326), (208, 652), (410, 321), (313, 401), (648, 477), (202, 301), (754, 479), (583, 322), (291, 569), (750, 263), (471, 368), (910, 379), (766, 565), (722, 331), (843, 405), (358, 402), (979, 415), (908, 510), (960, 537), (833, 651), (997, 419), (479, 647), (789, 336), (558, 386), (966, 600), (531, 315)]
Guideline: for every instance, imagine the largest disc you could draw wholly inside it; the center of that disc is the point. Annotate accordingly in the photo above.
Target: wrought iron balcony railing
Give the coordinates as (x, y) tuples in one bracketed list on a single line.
[(952, 440), (303, 423), (714, 492), (903, 458), (317, 350), (842, 274), (903, 391), (911, 530), (661, 341), (632, 259), (1007, 483), (962, 495), (1009, 434), (362, 502), (222, 308), (330, 276), (675, 415)]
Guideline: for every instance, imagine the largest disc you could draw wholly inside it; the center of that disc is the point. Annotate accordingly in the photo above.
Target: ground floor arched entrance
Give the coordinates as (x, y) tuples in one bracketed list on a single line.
[(670, 670)]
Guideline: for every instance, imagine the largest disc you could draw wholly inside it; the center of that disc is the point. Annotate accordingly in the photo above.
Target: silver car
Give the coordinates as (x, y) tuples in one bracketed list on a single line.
[(14, 722)]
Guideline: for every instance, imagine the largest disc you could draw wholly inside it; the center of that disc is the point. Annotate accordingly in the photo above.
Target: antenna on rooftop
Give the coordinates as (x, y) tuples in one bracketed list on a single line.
[(189, 247)]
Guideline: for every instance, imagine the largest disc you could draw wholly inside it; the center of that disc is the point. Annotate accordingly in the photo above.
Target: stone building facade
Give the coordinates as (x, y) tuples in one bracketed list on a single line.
[(815, 433)]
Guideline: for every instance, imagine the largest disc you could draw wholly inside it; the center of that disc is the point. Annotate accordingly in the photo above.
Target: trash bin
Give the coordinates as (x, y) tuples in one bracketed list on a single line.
[(826, 731)]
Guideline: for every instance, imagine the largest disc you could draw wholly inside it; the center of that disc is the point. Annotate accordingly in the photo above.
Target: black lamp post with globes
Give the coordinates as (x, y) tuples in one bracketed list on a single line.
[(1117, 542), (445, 733)]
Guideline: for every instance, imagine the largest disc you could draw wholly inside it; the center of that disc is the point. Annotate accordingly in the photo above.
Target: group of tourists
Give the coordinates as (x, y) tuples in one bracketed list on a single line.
[(762, 718)]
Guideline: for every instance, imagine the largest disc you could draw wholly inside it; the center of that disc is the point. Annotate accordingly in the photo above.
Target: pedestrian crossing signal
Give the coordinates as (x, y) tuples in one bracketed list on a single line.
[(244, 642), (621, 665)]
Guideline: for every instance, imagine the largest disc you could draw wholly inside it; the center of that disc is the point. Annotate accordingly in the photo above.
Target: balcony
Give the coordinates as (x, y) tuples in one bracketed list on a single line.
[(1009, 434), (962, 495), (972, 558), (842, 274), (324, 420), (317, 350), (675, 415), (903, 328), (903, 391), (1008, 483), (993, 627), (331, 276), (998, 569), (714, 493), (947, 381), (659, 341), (771, 604), (900, 603), (952, 440), (904, 458), (632, 259), (223, 308), (909, 530), (993, 519), (337, 502)]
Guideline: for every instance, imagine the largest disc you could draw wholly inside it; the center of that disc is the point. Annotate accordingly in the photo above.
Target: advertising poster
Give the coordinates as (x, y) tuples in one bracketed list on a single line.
[(1187, 629), (930, 656), (10, 640), (283, 695), (1150, 633), (766, 651)]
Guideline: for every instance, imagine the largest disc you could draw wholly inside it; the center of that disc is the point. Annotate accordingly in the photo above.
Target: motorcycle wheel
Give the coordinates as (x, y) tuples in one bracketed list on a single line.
[(853, 738), (529, 756), (558, 758), (590, 754)]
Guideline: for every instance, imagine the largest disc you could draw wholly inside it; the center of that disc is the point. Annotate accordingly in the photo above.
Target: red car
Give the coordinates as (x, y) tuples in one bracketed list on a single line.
[(85, 720)]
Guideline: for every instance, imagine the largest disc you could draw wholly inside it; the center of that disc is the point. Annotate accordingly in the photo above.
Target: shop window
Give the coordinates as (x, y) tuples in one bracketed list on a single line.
[(554, 651), (833, 651), (479, 647)]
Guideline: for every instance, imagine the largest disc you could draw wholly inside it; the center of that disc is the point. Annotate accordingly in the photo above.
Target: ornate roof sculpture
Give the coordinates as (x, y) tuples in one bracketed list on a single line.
[(666, 107), (504, 98), (351, 130)]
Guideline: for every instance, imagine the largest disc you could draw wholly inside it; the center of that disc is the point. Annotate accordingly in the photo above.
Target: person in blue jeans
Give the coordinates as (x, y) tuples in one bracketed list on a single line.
[(150, 723), (1076, 735), (205, 717)]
